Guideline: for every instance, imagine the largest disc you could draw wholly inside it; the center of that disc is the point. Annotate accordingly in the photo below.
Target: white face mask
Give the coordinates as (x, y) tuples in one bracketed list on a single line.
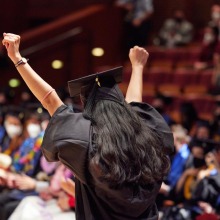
[(215, 16), (208, 38), (33, 130), (13, 130)]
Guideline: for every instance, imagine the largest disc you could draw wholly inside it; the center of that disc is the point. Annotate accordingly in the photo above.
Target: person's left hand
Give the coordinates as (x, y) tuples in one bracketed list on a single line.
[(63, 202), (24, 182), (138, 56)]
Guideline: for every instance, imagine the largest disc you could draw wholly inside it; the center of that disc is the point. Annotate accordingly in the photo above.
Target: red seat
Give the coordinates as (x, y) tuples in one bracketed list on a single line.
[(205, 78), (184, 77), (157, 76), (202, 103)]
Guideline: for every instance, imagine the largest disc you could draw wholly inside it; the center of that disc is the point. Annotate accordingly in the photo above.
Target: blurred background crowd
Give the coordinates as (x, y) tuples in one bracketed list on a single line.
[(181, 80)]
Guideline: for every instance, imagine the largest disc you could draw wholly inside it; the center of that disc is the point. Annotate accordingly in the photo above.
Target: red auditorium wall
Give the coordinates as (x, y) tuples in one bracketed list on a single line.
[(104, 28)]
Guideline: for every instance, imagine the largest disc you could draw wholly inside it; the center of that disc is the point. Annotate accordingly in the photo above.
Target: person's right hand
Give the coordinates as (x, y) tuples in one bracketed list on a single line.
[(138, 56), (11, 43)]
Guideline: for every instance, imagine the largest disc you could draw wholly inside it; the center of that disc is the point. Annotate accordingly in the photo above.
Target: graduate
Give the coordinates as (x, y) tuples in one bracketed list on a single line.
[(117, 147)]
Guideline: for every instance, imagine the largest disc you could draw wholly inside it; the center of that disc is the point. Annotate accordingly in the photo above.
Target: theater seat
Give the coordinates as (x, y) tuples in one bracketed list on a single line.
[(169, 89), (195, 89)]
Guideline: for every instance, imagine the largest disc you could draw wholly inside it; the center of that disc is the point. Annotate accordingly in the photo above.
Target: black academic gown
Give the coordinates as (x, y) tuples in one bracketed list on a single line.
[(68, 138)]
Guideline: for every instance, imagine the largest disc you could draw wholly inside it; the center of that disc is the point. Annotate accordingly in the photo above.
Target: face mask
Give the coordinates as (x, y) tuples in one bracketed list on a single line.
[(215, 16), (13, 130), (33, 130), (198, 162), (208, 38)]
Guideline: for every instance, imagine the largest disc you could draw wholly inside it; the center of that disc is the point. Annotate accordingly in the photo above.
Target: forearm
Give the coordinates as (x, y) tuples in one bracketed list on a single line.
[(180, 182), (135, 87), (40, 88)]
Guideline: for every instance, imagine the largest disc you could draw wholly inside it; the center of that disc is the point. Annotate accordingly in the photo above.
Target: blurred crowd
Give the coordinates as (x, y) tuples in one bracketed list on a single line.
[(29, 184), (192, 188), (45, 189)]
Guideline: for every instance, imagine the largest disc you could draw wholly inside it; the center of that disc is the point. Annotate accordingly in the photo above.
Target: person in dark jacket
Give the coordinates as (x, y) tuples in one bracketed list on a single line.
[(117, 147)]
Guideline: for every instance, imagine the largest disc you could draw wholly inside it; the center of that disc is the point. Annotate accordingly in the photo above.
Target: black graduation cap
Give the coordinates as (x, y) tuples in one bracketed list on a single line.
[(76, 85), (206, 144), (100, 86)]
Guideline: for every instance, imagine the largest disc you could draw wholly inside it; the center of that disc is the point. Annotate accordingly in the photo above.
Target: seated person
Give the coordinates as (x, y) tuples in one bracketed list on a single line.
[(181, 140), (176, 31), (194, 165), (52, 201), (161, 103), (17, 182), (209, 46), (12, 136), (207, 192), (215, 16), (201, 130)]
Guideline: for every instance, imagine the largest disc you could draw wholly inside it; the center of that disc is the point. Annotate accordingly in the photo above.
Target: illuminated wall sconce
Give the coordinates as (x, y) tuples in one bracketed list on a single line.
[(57, 64), (98, 52), (14, 83)]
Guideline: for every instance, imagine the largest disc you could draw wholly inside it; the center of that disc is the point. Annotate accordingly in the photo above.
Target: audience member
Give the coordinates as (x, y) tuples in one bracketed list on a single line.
[(202, 130), (206, 194), (210, 41), (215, 17), (176, 31), (137, 22), (188, 116), (181, 141), (161, 103), (12, 135), (195, 164), (52, 201), (178, 163)]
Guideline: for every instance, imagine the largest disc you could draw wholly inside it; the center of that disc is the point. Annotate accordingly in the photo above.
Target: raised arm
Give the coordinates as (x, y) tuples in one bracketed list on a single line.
[(138, 57), (41, 89)]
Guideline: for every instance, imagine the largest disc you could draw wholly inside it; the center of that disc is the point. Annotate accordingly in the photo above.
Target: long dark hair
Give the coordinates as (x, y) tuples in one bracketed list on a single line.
[(127, 151)]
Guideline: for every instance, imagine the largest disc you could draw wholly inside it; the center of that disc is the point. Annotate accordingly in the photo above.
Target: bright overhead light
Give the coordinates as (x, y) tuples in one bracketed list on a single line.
[(14, 83), (57, 64), (98, 52)]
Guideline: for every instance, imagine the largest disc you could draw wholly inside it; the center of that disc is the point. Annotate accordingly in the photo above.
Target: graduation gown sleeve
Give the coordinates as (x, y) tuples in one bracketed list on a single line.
[(67, 139), (157, 123)]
